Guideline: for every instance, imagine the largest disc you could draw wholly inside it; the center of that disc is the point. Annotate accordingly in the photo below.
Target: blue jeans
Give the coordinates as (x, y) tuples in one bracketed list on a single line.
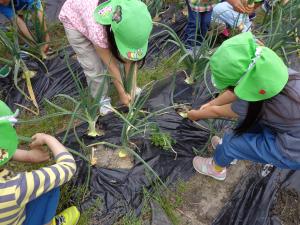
[(224, 13), (258, 145), (203, 19), (43, 209)]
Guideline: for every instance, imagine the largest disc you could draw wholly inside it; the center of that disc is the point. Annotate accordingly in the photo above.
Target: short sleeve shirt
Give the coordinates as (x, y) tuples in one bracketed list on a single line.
[(281, 114), (78, 15), (7, 11)]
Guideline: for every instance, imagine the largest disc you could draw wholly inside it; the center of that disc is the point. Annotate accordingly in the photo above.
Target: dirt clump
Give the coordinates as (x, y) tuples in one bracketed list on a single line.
[(287, 207), (109, 158)]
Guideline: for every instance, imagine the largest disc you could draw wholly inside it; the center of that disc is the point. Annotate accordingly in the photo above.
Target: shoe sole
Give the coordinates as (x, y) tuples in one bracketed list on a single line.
[(209, 175)]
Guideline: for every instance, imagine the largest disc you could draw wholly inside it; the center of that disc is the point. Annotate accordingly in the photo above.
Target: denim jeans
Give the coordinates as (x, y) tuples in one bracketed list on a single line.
[(258, 145), (224, 13), (203, 19), (42, 210)]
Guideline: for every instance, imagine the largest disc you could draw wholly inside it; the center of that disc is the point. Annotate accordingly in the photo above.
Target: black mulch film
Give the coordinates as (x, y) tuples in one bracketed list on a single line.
[(58, 80), (121, 189), (256, 198)]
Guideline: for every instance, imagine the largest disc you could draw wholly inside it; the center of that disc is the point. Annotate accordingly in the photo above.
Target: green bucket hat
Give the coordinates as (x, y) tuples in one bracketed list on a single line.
[(256, 72), (131, 23), (8, 135)]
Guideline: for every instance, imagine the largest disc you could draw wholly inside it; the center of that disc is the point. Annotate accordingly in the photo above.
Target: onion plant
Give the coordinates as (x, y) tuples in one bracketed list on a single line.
[(85, 107), (280, 28), (137, 121), (38, 32), (11, 45), (129, 79), (195, 59)]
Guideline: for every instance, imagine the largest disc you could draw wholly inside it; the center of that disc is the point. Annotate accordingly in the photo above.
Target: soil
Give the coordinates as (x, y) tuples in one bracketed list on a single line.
[(109, 158), (204, 197), (287, 207)]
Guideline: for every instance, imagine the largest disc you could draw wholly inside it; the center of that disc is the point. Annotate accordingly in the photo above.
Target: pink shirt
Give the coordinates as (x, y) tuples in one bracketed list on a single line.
[(78, 15)]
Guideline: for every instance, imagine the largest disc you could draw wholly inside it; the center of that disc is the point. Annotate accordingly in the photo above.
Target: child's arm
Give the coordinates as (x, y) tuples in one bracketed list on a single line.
[(36, 155), (225, 98), (212, 112), (34, 184), (112, 64), (241, 6)]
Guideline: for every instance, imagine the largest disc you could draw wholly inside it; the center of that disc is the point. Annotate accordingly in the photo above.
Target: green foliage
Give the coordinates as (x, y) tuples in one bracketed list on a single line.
[(85, 108), (280, 28), (161, 139), (130, 219), (195, 59)]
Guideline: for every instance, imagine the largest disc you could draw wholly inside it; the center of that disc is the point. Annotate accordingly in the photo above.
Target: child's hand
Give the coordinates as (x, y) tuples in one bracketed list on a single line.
[(192, 115), (40, 139), (243, 7), (125, 99), (38, 155)]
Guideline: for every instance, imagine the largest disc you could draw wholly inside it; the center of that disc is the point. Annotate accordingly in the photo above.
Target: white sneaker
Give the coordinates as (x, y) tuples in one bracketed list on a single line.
[(138, 91), (105, 106)]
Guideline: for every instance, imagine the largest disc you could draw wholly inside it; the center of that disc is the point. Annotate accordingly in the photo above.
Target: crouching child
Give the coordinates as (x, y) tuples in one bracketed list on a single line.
[(31, 198)]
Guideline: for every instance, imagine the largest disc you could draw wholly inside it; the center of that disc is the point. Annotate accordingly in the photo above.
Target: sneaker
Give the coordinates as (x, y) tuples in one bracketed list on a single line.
[(69, 216), (105, 106), (138, 91), (205, 166)]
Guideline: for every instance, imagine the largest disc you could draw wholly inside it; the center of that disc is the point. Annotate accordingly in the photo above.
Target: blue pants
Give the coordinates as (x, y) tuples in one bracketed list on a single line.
[(43, 209), (203, 19), (258, 145)]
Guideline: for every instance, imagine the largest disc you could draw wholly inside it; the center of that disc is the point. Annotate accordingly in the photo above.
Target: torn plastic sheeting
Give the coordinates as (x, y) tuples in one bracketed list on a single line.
[(122, 190), (255, 197), (58, 80)]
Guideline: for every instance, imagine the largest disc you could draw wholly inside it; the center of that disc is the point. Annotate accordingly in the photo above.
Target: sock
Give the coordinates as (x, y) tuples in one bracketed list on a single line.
[(217, 168)]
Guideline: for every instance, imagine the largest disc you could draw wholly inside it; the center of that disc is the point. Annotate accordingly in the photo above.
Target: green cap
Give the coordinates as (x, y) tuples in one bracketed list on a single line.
[(8, 135), (256, 72), (131, 24)]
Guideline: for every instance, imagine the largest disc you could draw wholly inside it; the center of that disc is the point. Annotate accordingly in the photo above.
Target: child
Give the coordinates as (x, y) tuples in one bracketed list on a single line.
[(19, 5), (116, 31), (264, 95), (235, 13), (31, 198), (199, 17)]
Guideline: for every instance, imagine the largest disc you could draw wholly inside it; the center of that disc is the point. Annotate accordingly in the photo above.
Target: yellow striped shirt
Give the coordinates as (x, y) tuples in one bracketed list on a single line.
[(17, 191)]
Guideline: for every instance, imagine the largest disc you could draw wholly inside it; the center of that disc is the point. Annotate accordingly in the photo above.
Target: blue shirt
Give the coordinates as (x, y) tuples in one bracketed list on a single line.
[(19, 5)]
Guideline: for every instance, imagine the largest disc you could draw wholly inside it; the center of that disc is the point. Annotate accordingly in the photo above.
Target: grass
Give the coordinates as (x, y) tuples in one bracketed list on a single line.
[(169, 201)]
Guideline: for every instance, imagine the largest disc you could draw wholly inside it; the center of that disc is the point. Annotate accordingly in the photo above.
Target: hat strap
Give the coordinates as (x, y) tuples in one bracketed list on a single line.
[(11, 118), (258, 53)]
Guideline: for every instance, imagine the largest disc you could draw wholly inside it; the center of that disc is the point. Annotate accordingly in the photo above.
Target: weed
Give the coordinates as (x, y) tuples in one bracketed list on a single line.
[(161, 139)]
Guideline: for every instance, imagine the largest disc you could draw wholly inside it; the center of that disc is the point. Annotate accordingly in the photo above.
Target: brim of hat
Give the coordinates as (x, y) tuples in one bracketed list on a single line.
[(276, 77), (218, 84), (8, 140), (129, 53), (104, 19)]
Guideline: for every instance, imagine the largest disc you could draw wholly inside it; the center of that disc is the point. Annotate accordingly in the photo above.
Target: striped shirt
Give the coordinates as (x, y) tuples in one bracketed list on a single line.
[(17, 191)]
